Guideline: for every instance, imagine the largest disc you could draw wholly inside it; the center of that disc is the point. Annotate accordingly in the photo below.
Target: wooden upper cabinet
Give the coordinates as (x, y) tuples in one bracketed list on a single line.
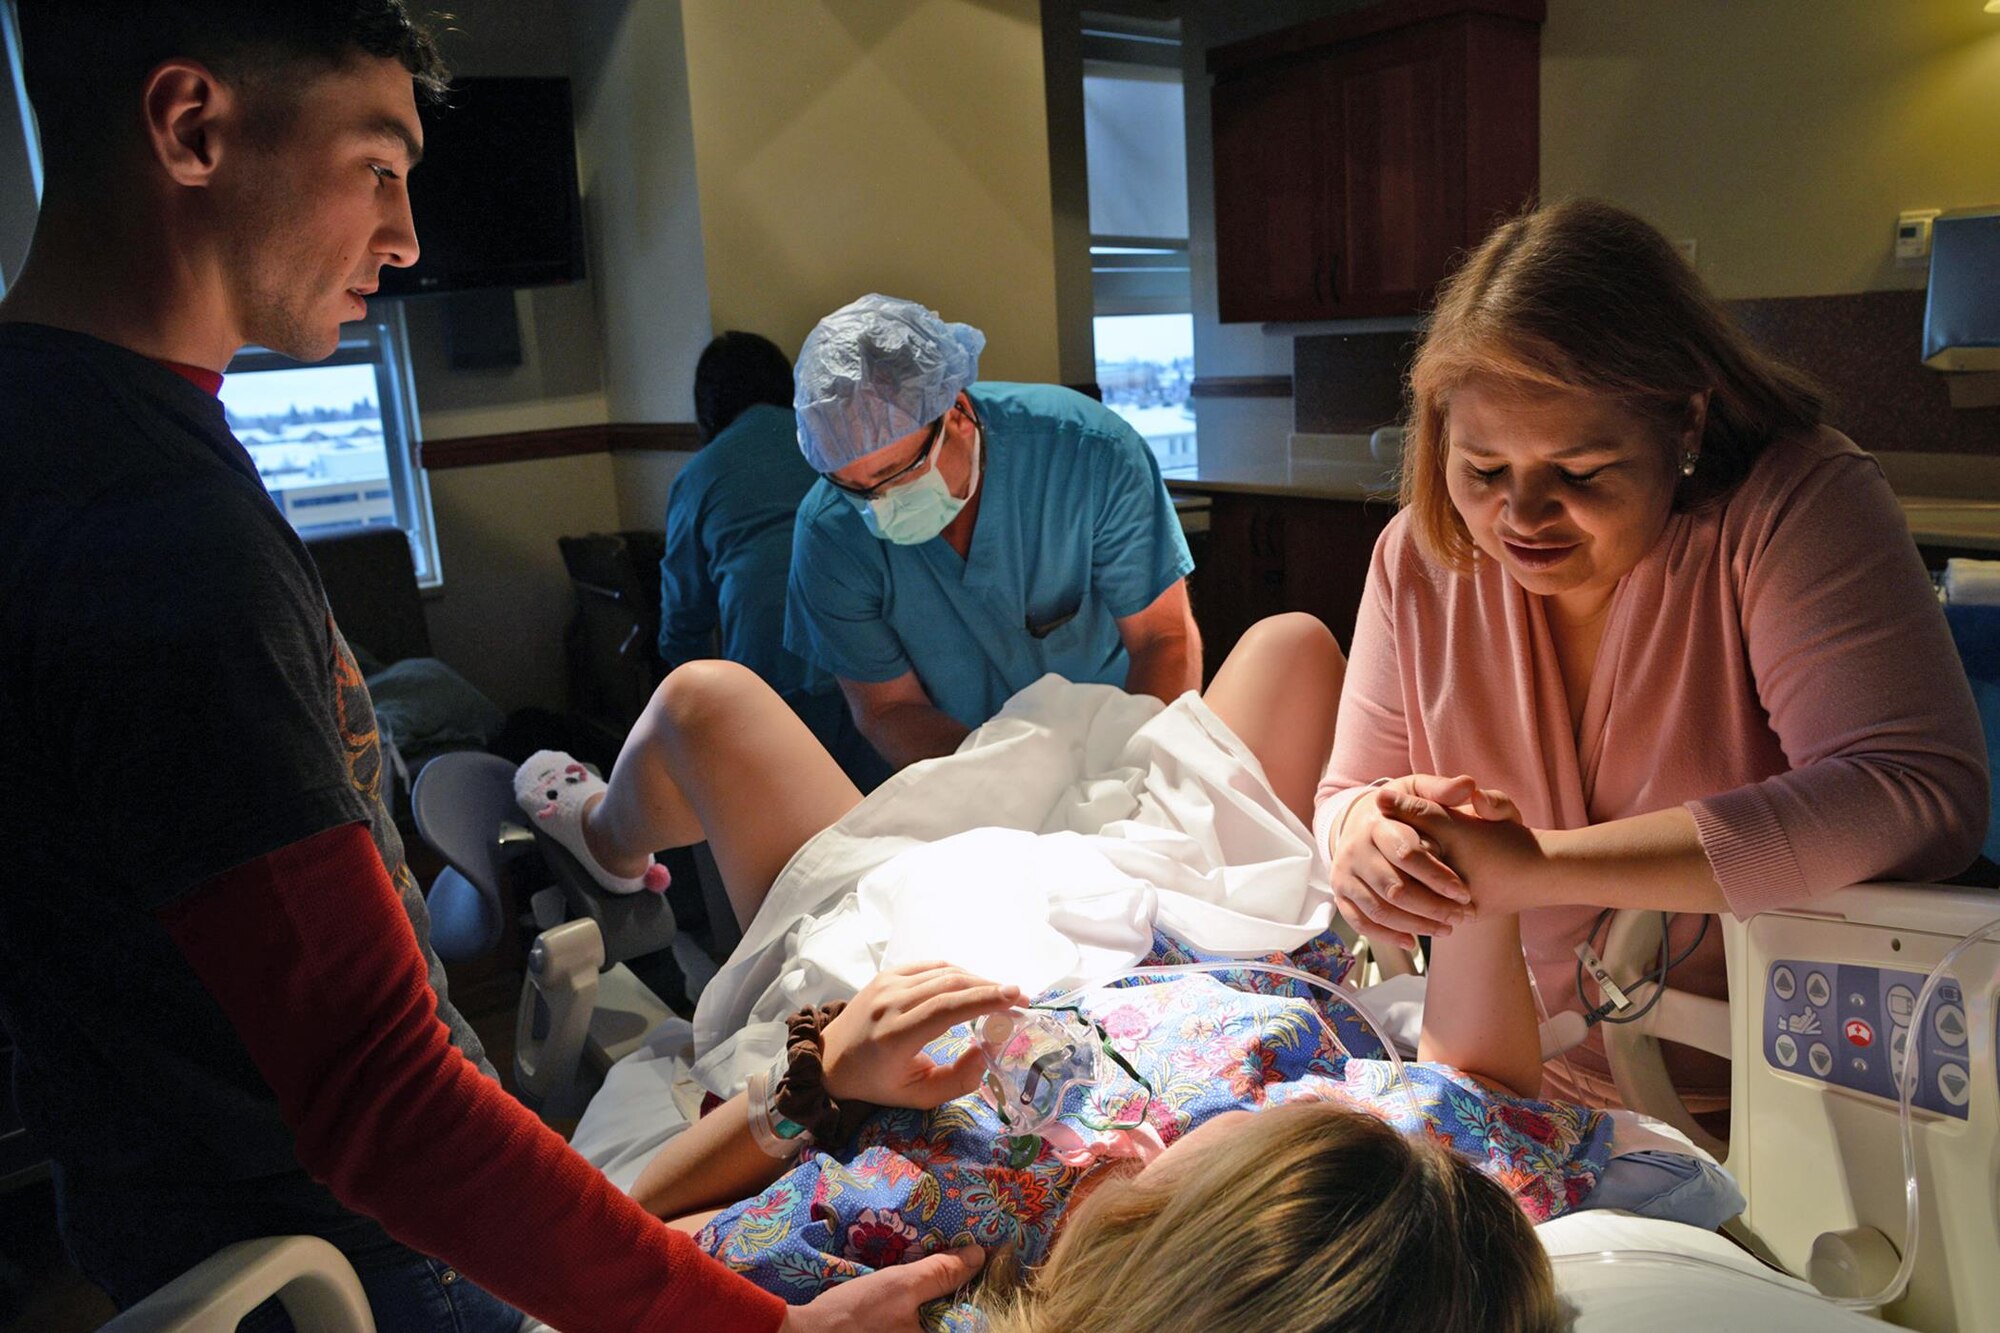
[(1357, 156)]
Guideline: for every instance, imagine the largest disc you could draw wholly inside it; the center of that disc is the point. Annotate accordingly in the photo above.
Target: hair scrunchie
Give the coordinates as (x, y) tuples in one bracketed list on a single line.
[(801, 1096)]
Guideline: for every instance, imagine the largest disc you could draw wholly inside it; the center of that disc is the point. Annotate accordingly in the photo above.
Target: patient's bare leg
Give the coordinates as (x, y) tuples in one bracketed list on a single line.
[(1279, 690), (716, 754)]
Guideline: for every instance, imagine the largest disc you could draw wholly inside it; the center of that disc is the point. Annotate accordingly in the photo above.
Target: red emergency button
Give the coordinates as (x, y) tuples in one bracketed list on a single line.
[(1859, 1033)]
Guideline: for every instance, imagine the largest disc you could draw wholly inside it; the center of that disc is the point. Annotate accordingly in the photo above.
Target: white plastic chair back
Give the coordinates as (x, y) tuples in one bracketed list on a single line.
[(310, 1278)]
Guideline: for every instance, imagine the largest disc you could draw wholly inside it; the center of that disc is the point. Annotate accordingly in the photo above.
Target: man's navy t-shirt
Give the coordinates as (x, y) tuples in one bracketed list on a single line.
[(178, 702)]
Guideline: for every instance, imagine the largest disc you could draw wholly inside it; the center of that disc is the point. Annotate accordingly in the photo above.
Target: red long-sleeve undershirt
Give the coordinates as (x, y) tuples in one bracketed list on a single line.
[(313, 961)]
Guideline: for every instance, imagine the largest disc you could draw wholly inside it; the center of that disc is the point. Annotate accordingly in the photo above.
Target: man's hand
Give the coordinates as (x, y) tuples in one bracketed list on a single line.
[(886, 1301), (874, 1050)]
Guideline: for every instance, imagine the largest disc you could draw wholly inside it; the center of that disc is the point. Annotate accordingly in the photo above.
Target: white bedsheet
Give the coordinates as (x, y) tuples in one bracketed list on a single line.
[(1044, 851)]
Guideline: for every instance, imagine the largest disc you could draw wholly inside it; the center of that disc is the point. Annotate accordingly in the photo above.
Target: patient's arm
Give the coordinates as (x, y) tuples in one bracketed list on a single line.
[(712, 1162), (1479, 1015), (874, 1053), (900, 721)]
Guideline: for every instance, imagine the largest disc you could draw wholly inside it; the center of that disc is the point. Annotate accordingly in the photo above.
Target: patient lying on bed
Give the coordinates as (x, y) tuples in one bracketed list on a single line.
[(1339, 1204)]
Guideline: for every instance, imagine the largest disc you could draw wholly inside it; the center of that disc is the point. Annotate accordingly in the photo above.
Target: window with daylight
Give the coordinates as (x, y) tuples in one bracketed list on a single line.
[(335, 441), (1135, 142)]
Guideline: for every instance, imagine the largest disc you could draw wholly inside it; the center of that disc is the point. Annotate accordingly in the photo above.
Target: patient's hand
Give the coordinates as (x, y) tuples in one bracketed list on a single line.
[(1392, 881), (886, 1301), (874, 1050), (1500, 860)]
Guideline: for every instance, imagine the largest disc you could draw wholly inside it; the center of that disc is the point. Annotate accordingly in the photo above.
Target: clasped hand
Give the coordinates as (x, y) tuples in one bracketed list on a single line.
[(1422, 853)]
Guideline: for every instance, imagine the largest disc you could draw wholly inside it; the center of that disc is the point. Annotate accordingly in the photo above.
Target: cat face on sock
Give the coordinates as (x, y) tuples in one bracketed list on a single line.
[(552, 780)]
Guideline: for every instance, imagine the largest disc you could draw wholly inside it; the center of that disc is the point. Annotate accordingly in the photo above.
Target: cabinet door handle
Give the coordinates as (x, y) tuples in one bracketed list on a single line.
[(1333, 281)]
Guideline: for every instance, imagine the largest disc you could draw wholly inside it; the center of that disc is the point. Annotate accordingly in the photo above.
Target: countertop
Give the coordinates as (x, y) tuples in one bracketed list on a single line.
[(1971, 524), (1934, 520), (1311, 479)]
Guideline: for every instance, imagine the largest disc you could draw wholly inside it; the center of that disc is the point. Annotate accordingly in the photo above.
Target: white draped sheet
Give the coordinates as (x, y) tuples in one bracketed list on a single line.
[(1043, 852)]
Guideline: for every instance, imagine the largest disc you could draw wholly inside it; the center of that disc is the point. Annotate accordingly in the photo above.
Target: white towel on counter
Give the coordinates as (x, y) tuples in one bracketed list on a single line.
[(1972, 582)]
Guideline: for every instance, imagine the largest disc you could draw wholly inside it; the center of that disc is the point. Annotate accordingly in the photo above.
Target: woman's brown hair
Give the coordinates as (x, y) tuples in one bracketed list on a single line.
[(1308, 1217), (1585, 297)]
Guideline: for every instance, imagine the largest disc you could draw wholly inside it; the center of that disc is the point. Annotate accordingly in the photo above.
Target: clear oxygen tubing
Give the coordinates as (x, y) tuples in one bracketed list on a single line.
[(1297, 974), (1905, 1089), (1906, 1084)]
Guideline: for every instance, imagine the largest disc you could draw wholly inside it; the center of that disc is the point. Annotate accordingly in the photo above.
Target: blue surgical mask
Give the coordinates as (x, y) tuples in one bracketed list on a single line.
[(915, 512)]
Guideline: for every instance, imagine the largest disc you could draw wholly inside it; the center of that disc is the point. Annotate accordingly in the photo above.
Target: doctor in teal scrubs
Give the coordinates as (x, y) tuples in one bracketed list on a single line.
[(965, 539)]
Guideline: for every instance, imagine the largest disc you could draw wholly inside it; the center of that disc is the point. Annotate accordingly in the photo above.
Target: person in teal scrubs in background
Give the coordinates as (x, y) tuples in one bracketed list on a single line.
[(729, 541), (965, 539)]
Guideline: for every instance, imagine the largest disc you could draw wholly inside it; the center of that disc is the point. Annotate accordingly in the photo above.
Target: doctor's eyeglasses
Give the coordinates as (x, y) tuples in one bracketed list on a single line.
[(915, 465)]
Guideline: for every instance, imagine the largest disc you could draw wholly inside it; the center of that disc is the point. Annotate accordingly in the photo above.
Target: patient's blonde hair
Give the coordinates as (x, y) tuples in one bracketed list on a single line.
[(1310, 1217)]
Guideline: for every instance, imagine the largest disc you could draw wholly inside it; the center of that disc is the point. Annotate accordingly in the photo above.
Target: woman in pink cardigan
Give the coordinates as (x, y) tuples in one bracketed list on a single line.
[(1646, 634)]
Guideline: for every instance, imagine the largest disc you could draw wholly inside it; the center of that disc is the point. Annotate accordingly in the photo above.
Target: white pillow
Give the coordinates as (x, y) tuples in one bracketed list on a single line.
[(1668, 1278)]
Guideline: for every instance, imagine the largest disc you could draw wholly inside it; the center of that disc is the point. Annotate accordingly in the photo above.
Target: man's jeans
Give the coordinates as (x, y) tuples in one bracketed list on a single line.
[(408, 1293)]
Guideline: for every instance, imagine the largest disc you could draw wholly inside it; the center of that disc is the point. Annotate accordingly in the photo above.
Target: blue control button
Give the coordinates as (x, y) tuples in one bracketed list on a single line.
[(1949, 1022), (1855, 1025)]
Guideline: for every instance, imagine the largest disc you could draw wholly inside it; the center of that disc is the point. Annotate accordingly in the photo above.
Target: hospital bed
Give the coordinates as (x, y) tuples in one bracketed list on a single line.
[(1822, 1005), (1817, 1153), (1619, 1273), (1823, 994), (1824, 997)]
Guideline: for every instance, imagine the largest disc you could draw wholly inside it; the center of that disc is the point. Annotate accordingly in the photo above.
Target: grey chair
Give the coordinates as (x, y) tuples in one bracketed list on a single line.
[(581, 1009), (463, 804)]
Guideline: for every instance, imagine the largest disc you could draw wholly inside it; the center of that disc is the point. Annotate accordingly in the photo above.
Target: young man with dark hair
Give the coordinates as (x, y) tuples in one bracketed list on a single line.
[(729, 541), (213, 959)]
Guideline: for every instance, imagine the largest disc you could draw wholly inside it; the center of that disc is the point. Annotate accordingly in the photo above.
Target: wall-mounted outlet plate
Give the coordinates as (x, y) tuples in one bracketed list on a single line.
[(1913, 237)]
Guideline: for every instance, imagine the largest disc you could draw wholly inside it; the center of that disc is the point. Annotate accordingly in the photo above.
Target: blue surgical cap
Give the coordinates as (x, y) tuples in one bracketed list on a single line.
[(875, 371)]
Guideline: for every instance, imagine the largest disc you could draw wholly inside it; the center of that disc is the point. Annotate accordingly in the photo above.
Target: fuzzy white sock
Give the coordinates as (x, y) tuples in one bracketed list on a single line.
[(553, 788)]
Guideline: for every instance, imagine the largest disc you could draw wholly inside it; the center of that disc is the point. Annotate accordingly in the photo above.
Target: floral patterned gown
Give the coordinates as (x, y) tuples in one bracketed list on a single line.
[(914, 1182)]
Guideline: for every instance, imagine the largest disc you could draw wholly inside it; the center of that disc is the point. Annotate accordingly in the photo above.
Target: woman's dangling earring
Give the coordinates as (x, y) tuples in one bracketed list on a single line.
[(1688, 460)]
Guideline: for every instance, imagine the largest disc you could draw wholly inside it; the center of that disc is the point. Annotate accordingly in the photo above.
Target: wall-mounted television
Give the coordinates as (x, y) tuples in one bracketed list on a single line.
[(495, 198)]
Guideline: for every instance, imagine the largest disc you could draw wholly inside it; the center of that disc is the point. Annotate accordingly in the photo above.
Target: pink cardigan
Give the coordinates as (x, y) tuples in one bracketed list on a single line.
[(1777, 663)]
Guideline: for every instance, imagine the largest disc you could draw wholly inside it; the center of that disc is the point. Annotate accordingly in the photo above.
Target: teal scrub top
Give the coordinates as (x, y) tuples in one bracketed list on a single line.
[(729, 547), (1075, 531)]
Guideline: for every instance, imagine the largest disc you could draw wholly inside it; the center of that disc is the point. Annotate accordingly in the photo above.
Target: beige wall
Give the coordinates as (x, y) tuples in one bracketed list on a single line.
[(642, 211), (506, 598), (1783, 136), (643, 479), (845, 146)]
